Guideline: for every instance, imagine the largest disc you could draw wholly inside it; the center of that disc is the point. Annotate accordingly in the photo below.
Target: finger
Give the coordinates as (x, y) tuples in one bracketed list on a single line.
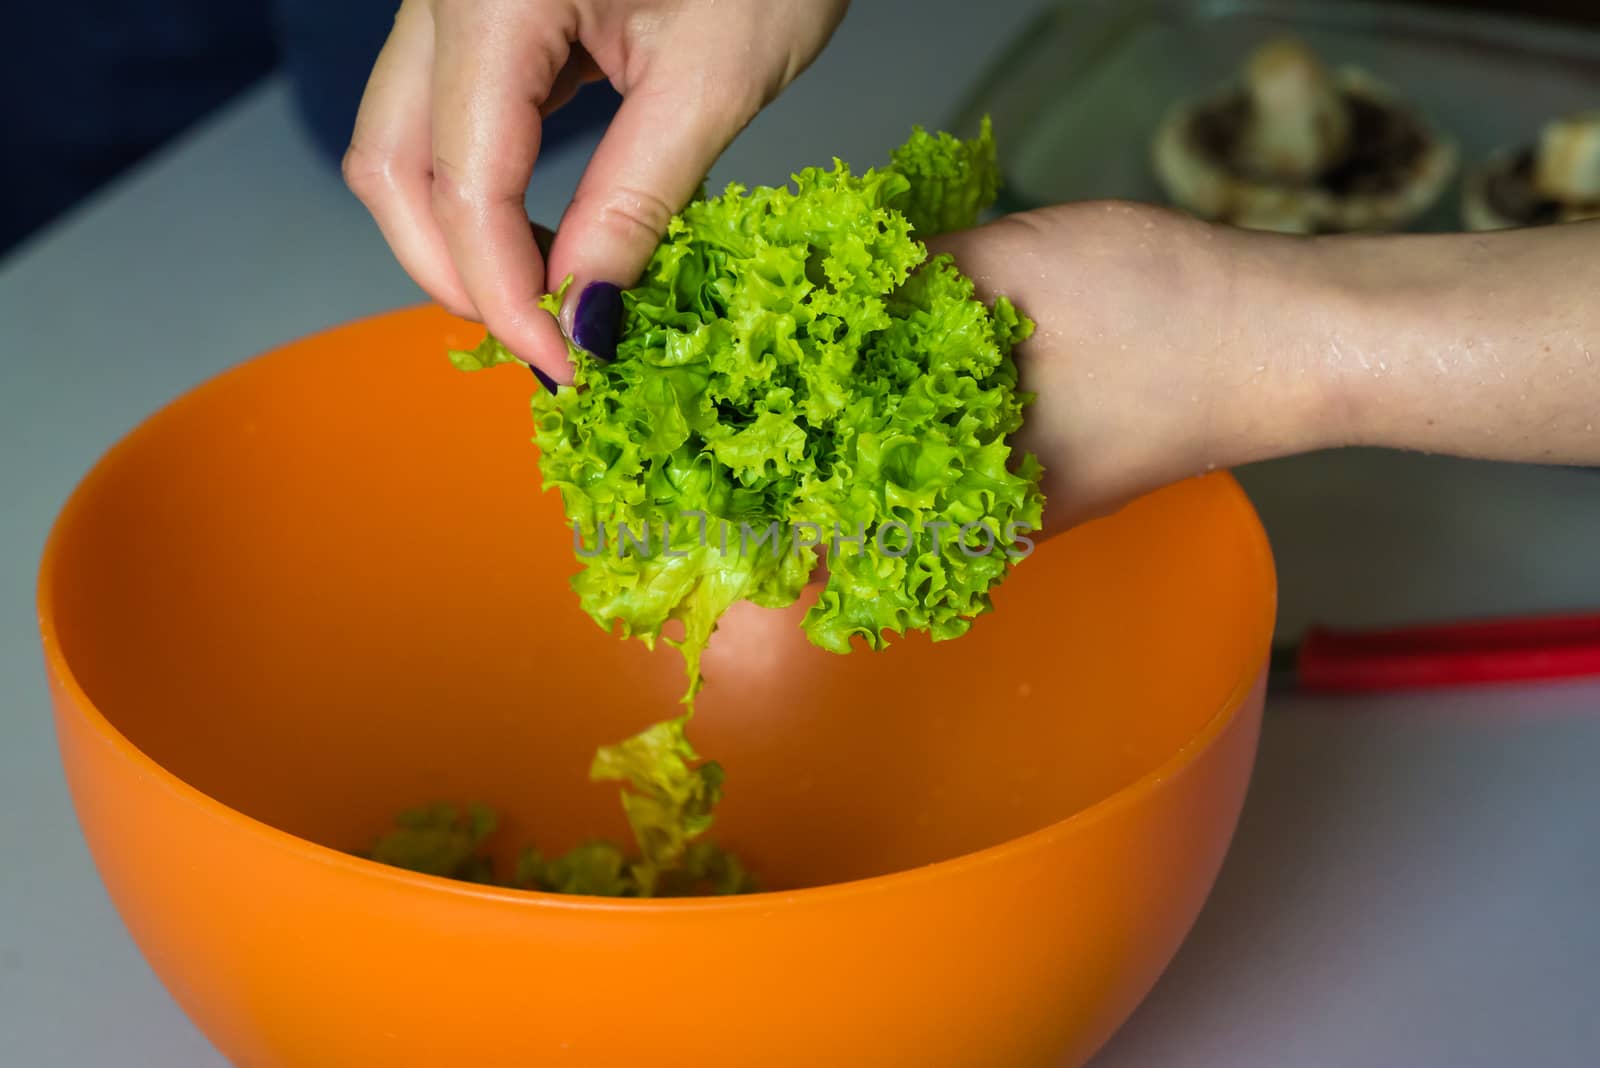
[(495, 63), (656, 152), (389, 165)]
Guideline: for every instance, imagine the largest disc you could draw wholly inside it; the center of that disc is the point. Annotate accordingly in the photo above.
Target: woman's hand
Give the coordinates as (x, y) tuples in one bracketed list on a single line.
[(1167, 347), (1147, 357), (448, 135)]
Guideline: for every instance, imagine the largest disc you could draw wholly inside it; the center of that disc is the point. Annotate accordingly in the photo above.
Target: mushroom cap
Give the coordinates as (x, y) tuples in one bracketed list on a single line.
[(1300, 125), (1565, 174), (1568, 167)]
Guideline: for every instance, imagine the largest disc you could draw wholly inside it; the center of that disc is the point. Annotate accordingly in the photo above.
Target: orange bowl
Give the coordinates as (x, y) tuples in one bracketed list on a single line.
[(324, 586)]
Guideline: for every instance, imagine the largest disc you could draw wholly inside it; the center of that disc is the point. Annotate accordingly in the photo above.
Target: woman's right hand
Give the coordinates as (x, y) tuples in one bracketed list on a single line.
[(1167, 347), (448, 135), (1156, 352)]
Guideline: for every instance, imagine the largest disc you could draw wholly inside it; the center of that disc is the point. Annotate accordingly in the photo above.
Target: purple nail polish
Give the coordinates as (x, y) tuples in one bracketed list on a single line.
[(598, 320), (544, 380)]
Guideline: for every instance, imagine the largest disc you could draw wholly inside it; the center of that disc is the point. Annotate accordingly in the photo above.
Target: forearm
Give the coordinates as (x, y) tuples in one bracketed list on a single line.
[(1483, 346)]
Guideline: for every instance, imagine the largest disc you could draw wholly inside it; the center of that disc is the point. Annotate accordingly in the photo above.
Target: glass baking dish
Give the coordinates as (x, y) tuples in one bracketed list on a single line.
[(1077, 97)]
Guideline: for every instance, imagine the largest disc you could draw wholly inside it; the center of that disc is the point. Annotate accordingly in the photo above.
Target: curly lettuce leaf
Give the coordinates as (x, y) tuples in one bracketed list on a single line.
[(795, 369), (440, 839), (951, 181), (596, 868), (706, 870)]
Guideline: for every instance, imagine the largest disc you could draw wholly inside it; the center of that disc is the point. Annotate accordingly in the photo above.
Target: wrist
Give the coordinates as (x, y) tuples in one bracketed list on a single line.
[(1334, 327), (1276, 375), (1383, 307)]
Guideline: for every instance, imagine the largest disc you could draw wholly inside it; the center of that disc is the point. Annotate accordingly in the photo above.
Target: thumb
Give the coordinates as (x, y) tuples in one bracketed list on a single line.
[(653, 157)]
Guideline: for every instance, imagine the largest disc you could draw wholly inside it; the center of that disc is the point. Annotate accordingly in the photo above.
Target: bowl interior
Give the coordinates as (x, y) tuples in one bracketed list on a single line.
[(325, 586)]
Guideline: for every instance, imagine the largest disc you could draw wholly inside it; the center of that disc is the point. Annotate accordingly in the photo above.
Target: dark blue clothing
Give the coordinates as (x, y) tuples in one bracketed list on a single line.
[(95, 85)]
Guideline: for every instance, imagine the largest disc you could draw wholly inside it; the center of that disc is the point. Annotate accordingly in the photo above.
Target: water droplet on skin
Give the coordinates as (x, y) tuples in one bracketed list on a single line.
[(1261, 369), (1382, 366), (1211, 467)]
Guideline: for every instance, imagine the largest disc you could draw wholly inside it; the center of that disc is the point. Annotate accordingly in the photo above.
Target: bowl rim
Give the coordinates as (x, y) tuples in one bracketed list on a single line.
[(61, 673)]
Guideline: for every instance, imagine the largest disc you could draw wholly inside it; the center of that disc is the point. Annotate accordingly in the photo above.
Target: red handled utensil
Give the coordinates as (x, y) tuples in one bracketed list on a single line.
[(1530, 649)]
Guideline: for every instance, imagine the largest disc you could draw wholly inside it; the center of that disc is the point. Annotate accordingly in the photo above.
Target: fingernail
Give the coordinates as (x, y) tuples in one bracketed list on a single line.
[(543, 238), (544, 380), (598, 319)]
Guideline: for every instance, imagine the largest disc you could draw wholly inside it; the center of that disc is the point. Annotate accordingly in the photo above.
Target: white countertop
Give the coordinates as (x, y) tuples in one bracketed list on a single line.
[(1414, 881)]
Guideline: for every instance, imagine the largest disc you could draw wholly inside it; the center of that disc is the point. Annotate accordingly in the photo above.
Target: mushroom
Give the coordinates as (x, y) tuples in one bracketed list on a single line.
[(1556, 180), (1301, 149), (1301, 126)]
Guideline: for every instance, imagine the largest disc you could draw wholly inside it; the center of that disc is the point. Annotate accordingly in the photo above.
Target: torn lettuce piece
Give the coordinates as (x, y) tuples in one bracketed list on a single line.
[(440, 839), (488, 353), (597, 868), (669, 799)]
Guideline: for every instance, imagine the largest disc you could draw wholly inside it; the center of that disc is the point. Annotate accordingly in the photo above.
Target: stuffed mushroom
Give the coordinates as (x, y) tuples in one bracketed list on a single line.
[(1298, 148), (1555, 180)]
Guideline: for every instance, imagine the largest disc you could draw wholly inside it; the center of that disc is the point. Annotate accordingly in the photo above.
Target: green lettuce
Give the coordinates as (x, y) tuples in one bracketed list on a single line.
[(597, 868), (952, 181), (793, 364), (440, 839), (453, 843), (671, 796), (796, 382)]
